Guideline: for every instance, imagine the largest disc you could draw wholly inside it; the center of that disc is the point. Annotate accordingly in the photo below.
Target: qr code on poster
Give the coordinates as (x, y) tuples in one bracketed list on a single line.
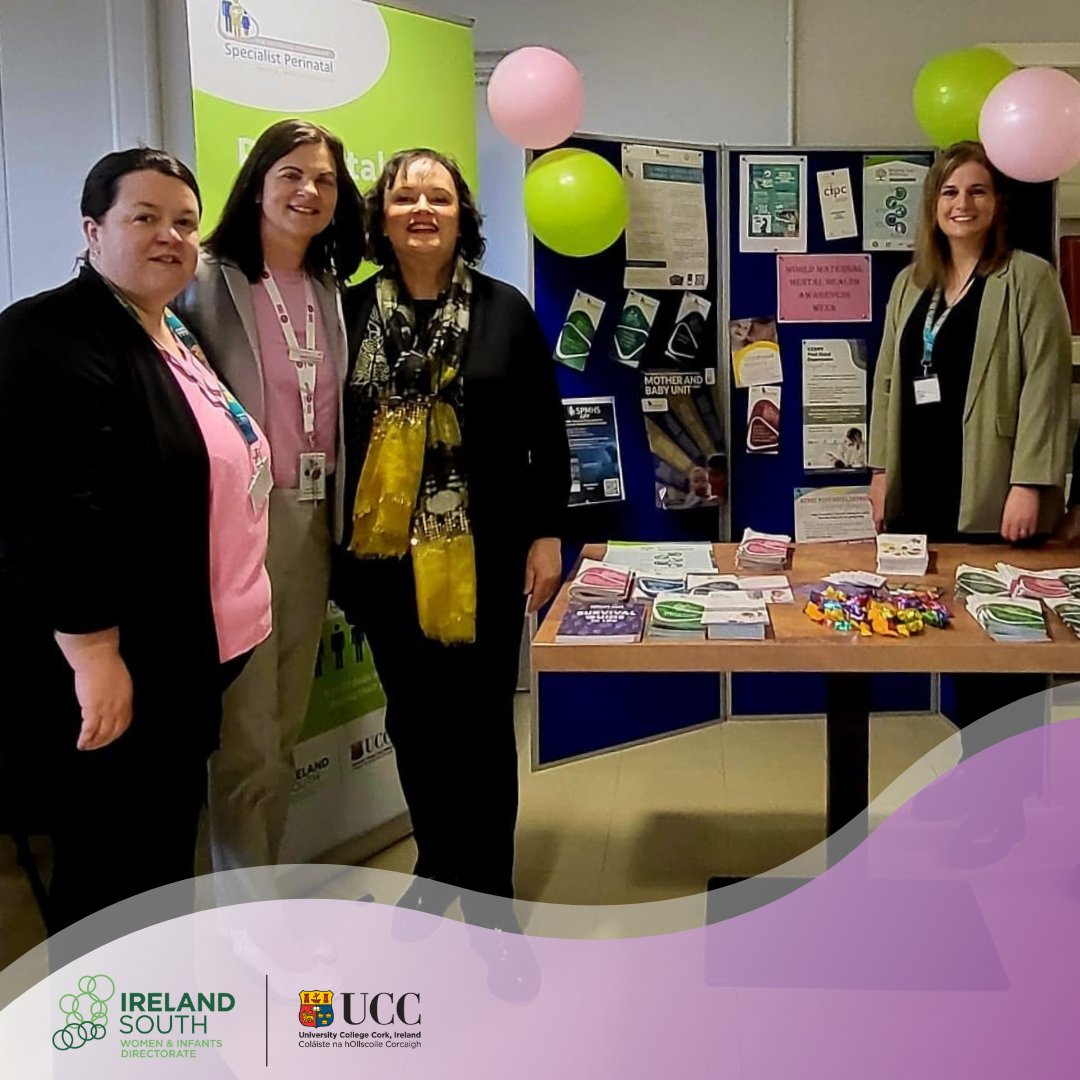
[(611, 488)]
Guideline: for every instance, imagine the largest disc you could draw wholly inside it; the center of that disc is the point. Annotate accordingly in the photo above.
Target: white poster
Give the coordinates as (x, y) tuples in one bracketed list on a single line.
[(892, 194), (667, 236), (772, 200), (837, 204), (833, 513), (834, 404)]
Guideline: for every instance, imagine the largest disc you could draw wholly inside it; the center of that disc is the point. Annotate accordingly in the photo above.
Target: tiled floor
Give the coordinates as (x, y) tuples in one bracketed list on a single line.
[(651, 822)]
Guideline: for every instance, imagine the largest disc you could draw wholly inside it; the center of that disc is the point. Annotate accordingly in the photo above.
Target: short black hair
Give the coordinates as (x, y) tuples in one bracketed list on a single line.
[(470, 245), (103, 181), (337, 250)]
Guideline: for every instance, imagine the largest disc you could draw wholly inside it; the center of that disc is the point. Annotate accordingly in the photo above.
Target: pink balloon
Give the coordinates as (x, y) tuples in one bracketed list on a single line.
[(1030, 124), (535, 97)]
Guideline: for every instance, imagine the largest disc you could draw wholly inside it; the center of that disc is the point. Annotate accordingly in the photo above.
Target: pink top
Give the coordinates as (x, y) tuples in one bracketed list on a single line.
[(239, 584), (284, 418)]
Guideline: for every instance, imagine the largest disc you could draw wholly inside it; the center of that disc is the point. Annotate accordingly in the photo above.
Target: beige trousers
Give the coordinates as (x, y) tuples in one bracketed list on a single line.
[(251, 774)]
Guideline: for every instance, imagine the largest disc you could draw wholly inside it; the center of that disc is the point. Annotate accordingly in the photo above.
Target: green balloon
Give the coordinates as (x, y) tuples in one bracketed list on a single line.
[(575, 202), (950, 91)]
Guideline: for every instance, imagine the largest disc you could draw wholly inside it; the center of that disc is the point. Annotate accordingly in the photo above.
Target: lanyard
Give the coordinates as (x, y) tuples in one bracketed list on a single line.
[(307, 358), (935, 322), (219, 394)]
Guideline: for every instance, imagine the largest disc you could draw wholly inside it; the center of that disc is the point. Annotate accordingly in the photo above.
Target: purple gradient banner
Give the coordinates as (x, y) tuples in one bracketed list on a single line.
[(901, 960)]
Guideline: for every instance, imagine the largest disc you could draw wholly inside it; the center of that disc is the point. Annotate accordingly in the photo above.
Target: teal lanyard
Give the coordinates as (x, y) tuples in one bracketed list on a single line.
[(187, 339), (934, 323)]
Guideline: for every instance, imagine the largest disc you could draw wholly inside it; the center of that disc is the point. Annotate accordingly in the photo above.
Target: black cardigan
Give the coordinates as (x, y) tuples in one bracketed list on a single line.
[(517, 458), (104, 511)]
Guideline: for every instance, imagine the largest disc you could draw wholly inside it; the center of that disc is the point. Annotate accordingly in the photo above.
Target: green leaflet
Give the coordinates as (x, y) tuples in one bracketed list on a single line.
[(1013, 616), (979, 584)]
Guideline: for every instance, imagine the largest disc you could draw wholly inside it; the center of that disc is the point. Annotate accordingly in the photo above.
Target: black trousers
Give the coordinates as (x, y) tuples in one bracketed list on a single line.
[(450, 716), (122, 819)]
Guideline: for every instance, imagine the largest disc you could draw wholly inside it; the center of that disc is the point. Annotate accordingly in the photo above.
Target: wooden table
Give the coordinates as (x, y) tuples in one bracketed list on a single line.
[(797, 644)]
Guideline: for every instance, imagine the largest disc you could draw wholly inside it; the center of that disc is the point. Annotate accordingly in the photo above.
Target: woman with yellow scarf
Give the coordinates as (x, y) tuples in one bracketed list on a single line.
[(458, 476)]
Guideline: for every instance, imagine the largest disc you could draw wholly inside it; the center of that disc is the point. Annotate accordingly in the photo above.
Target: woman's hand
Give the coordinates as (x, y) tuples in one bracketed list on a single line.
[(1020, 518), (877, 500), (102, 686), (543, 571)]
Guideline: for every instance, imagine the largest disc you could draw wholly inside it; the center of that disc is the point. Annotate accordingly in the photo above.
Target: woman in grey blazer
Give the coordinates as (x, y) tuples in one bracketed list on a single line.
[(265, 303)]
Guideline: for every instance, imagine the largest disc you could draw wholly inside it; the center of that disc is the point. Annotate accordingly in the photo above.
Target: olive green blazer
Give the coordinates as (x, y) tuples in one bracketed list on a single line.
[(1016, 415)]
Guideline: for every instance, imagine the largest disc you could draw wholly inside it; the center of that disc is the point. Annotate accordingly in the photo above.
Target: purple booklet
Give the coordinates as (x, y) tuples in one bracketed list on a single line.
[(603, 624)]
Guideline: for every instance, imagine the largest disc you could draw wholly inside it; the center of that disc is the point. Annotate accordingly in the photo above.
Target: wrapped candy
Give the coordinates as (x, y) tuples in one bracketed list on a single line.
[(900, 612)]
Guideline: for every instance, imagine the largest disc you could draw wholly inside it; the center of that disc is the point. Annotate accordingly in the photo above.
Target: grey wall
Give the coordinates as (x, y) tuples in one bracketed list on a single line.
[(76, 81)]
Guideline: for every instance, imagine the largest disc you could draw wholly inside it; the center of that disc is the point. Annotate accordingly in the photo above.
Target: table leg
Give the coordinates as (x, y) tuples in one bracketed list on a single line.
[(847, 751)]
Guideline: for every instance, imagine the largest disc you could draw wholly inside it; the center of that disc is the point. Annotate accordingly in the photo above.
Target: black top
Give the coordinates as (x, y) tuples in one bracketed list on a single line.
[(517, 459), (932, 435), (105, 515)]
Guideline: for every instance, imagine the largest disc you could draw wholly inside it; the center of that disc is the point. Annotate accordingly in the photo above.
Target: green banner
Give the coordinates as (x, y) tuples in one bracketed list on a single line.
[(380, 78)]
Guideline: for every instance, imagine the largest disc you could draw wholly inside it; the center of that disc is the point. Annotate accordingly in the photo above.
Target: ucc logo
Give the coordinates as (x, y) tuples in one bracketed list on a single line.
[(381, 1009)]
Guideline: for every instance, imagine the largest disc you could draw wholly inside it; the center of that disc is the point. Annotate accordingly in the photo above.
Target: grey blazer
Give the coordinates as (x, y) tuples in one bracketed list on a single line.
[(218, 308)]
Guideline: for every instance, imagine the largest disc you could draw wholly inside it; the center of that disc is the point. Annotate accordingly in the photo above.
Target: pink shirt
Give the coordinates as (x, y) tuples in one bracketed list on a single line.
[(284, 417), (239, 584)]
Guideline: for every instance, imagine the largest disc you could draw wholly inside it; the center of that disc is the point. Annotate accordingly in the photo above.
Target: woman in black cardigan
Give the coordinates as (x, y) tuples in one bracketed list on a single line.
[(483, 494), (109, 645)]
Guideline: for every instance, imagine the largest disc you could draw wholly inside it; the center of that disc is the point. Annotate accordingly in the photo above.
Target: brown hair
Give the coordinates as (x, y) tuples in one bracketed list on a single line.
[(470, 244), (336, 250), (932, 253)]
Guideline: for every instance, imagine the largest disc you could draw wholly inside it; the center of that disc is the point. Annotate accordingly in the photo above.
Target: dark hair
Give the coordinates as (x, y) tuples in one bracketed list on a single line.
[(932, 252), (103, 180), (337, 250), (470, 245)]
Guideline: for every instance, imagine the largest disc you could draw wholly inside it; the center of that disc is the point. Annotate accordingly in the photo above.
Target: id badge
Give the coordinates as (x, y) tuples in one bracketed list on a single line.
[(312, 477), (261, 485), (305, 356), (927, 391)]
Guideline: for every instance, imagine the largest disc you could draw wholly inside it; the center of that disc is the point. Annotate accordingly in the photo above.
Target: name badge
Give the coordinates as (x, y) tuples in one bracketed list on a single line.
[(927, 391), (305, 356), (312, 477), (261, 485)]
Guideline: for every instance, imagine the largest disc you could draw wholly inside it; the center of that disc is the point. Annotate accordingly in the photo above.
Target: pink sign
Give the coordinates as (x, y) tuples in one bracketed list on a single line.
[(823, 288)]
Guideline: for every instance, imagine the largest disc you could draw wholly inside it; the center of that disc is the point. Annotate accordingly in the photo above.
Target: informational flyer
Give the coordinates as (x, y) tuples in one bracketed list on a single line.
[(667, 235), (837, 204), (684, 345), (763, 420), (576, 336), (834, 404), (892, 194), (755, 352), (833, 513), (682, 423), (595, 462), (823, 288), (772, 197), (635, 324)]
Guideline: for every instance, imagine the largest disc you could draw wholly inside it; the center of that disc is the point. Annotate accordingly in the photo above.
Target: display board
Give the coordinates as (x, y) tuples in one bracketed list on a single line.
[(814, 240), (369, 73), (659, 347)]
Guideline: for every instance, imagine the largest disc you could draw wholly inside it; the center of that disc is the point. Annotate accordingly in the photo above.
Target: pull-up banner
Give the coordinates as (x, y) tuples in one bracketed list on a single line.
[(380, 78)]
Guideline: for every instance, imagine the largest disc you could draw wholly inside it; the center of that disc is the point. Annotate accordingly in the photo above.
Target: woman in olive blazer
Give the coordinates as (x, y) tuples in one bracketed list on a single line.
[(1016, 411), (969, 430)]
